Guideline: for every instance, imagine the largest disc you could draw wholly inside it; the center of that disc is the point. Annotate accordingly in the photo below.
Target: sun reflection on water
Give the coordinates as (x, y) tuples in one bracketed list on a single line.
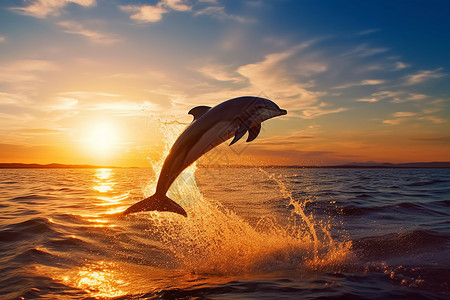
[(100, 280), (103, 181), (108, 200)]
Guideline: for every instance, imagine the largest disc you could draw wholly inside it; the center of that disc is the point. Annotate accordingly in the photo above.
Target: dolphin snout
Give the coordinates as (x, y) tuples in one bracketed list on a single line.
[(283, 112)]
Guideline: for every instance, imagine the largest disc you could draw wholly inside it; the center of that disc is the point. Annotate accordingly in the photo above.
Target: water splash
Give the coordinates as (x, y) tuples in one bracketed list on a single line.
[(215, 240)]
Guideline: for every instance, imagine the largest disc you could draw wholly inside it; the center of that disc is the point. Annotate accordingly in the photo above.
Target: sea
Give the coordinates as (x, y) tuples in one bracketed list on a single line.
[(251, 233)]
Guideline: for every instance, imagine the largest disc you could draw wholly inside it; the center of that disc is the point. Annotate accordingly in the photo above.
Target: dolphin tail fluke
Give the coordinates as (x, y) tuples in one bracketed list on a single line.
[(156, 202)]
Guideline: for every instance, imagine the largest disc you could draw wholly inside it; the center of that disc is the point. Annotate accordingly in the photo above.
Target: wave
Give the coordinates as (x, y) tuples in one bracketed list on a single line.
[(428, 182), (391, 210), (30, 197), (394, 244)]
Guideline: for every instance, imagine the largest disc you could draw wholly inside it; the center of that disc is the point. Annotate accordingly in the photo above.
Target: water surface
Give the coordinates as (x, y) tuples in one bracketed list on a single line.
[(251, 233)]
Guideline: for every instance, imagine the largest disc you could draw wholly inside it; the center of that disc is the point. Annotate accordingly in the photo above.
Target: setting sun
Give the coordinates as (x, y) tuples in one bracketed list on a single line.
[(101, 139)]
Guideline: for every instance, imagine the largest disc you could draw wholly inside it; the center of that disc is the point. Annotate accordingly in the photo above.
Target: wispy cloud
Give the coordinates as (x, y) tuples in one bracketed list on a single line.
[(434, 119), (401, 65), (44, 8), (145, 13), (367, 32), (221, 73), (393, 121), (154, 13), (365, 50), (273, 74), (286, 76), (220, 13), (79, 101), (79, 29), (396, 97), (439, 139), (401, 114), (25, 70), (2, 39), (361, 83), (10, 98), (178, 5), (424, 75)]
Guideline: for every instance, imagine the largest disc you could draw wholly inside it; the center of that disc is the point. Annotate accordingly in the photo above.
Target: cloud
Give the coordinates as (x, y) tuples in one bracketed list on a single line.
[(286, 76), (433, 119), (365, 50), (373, 99), (400, 65), (406, 97), (361, 83), (10, 98), (79, 101), (154, 13), (79, 29), (318, 111), (396, 97), (393, 122), (145, 13), (25, 70), (439, 140), (43, 8), (367, 32), (220, 13), (178, 5), (276, 73), (423, 76), (401, 114), (2, 39), (221, 73)]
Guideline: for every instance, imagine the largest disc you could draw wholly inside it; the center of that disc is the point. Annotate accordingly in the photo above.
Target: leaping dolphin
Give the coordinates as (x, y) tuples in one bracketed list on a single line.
[(210, 128)]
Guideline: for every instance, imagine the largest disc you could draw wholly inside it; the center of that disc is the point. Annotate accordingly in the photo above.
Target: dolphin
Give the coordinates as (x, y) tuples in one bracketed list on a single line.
[(211, 127)]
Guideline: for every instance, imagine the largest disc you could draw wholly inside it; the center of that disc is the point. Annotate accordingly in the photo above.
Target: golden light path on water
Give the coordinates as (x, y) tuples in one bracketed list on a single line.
[(213, 244)]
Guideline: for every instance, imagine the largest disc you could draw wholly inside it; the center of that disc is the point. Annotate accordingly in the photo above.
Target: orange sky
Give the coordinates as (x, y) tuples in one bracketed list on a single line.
[(90, 82)]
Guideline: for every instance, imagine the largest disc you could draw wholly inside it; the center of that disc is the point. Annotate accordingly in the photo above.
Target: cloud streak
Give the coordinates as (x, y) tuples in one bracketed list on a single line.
[(423, 76), (361, 83), (76, 28), (43, 8), (145, 13), (25, 70), (219, 13), (395, 97), (273, 74), (154, 13)]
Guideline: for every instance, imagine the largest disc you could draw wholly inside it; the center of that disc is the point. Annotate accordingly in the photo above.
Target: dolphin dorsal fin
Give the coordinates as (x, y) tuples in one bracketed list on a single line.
[(198, 111), (253, 132)]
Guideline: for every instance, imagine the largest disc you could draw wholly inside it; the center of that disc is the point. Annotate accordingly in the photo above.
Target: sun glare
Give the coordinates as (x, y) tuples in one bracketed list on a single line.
[(101, 139)]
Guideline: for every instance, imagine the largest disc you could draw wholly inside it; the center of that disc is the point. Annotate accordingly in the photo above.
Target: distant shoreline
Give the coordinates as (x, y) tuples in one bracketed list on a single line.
[(438, 165)]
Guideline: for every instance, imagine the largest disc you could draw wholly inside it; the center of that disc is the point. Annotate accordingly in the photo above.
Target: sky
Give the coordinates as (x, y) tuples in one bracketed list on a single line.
[(109, 82)]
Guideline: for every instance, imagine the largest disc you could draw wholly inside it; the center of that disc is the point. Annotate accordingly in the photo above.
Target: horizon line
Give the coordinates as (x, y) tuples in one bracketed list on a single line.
[(432, 164)]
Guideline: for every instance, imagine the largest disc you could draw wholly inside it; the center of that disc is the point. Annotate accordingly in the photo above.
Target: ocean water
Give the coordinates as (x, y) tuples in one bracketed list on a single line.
[(251, 233)]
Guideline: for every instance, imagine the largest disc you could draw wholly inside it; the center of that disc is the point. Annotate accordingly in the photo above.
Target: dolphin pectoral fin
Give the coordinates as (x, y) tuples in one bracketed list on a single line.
[(241, 131), (198, 111), (253, 132), (158, 203)]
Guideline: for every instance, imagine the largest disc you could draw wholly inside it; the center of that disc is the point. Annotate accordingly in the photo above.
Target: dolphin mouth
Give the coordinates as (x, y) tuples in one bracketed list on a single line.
[(283, 112)]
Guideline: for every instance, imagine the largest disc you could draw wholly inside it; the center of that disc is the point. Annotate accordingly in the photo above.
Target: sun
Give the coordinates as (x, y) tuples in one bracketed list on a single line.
[(102, 139)]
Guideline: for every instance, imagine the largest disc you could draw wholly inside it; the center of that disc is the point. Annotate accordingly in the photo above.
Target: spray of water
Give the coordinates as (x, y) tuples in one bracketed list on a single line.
[(215, 240)]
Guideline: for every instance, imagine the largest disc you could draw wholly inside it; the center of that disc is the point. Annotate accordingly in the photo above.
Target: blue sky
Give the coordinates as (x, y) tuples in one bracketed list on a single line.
[(361, 80)]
